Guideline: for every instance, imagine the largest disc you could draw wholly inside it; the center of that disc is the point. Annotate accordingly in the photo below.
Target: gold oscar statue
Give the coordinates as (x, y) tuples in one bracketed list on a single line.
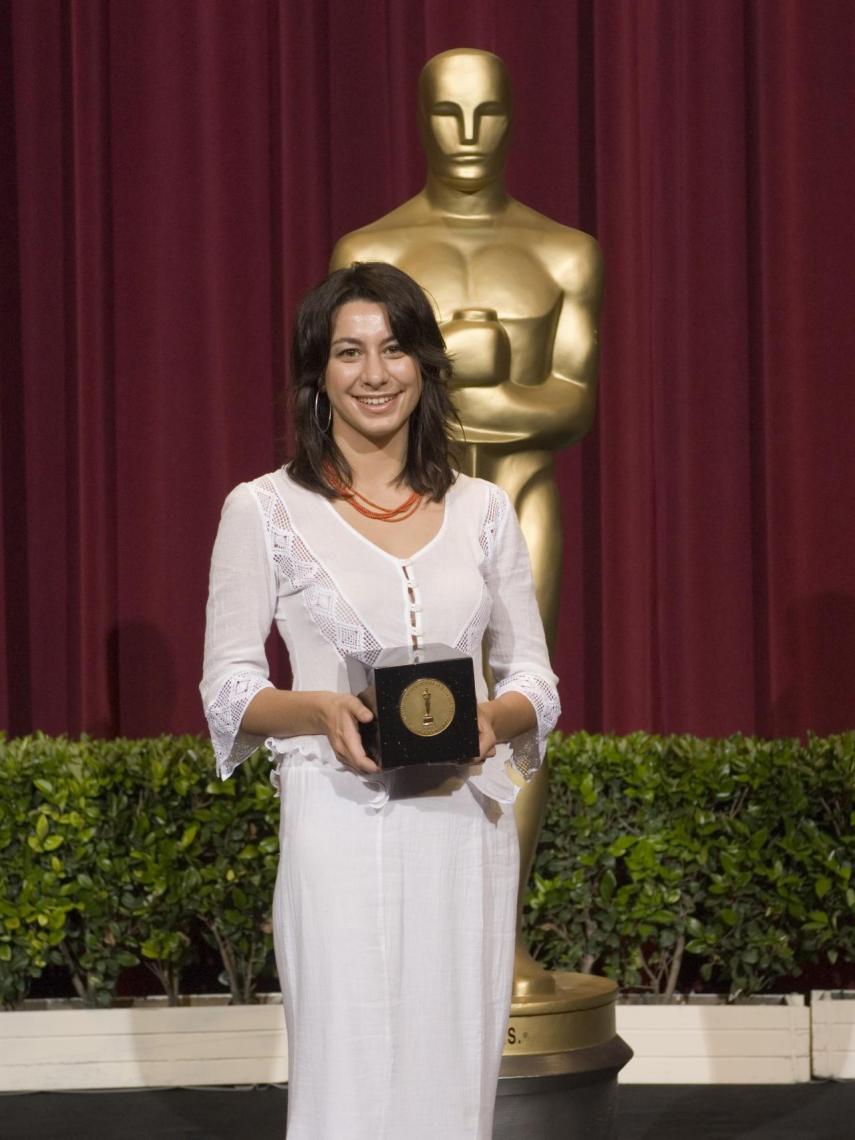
[(518, 298)]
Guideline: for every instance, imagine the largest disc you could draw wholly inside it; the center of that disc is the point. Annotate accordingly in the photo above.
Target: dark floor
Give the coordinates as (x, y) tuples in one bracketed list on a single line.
[(818, 1111), (822, 1110)]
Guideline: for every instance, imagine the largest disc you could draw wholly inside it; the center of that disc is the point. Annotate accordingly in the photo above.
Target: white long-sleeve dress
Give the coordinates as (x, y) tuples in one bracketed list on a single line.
[(394, 910)]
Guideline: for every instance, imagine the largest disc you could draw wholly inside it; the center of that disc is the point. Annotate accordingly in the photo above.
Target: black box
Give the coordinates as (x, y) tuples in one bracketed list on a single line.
[(424, 705)]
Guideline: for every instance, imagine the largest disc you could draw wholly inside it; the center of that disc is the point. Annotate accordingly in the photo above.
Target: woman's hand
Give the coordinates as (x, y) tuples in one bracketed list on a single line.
[(501, 720), (341, 715), (283, 712), (486, 733)]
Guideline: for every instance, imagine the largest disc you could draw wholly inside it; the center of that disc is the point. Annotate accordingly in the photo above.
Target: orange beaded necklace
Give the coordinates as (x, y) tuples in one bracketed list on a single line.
[(365, 506)]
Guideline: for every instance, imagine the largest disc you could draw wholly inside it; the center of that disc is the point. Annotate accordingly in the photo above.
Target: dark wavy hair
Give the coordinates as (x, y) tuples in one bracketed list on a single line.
[(428, 466)]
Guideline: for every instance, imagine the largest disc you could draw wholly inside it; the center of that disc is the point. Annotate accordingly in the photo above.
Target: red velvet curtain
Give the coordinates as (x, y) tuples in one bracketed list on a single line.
[(173, 177)]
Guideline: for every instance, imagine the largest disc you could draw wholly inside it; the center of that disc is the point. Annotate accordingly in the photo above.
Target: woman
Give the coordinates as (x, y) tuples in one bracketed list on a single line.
[(394, 909)]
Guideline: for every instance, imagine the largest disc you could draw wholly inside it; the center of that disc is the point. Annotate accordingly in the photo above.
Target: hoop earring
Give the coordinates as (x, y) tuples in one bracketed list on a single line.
[(323, 430)]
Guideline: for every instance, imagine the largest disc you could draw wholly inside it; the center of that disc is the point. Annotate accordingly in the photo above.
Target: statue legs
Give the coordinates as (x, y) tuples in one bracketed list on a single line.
[(529, 479)]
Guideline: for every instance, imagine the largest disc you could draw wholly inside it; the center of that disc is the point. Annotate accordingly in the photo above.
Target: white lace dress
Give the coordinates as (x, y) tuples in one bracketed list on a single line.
[(395, 906)]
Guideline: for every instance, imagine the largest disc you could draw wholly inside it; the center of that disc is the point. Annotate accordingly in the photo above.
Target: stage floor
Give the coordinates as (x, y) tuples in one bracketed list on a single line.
[(817, 1111)]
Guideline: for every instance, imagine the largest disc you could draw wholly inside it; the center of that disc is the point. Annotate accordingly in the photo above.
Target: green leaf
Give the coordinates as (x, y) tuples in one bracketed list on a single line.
[(607, 885), (587, 790), (622, 844), (189, 835)]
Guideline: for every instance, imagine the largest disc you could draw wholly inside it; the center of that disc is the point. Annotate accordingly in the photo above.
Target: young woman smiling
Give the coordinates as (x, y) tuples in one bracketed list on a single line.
[(394, 911)]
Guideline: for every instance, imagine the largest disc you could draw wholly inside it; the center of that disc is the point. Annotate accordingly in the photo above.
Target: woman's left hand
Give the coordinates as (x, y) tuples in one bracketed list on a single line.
[(486, 734)]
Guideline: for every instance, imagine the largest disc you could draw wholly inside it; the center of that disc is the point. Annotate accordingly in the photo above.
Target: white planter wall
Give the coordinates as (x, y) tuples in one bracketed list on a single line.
[(716, 1044), (139, 1047), (833, 1022), (212, 1044)]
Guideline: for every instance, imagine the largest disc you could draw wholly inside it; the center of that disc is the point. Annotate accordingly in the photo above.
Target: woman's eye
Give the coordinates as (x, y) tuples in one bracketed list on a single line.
[(394, 350), (347, 353)]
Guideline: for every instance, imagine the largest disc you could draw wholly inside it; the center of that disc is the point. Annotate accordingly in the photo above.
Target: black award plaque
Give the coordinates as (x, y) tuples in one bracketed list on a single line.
[(424, 705)]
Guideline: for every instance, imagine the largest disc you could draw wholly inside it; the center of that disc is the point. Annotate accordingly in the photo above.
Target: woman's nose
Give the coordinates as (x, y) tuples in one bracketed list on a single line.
[(374, 368)]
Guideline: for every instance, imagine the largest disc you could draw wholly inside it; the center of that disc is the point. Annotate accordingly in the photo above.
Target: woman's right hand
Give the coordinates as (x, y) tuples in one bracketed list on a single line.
[(341, 715)]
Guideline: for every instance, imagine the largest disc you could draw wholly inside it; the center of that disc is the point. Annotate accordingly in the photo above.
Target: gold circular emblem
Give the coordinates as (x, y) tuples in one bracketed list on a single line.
[(427, 707)]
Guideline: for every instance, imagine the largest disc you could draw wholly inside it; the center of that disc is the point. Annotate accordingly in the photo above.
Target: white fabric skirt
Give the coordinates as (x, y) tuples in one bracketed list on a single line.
[(394, 931)]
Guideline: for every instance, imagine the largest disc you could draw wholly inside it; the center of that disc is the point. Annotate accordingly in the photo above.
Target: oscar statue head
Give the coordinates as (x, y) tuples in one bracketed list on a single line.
[(465, 117)]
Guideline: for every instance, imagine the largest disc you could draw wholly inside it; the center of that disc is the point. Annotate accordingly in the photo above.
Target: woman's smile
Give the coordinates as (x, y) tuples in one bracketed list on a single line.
[(377, 402)]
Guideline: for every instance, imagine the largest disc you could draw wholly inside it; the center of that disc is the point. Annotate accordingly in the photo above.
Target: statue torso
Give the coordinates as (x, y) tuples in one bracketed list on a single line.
[(496, 271), (503, 265)]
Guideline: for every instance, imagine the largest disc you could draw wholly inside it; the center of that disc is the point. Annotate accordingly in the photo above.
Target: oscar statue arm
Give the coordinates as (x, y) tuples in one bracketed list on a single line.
[(558, 409)]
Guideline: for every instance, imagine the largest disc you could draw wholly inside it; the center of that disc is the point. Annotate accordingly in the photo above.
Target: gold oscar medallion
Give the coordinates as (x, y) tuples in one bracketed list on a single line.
[(424, 704), (427, 707)]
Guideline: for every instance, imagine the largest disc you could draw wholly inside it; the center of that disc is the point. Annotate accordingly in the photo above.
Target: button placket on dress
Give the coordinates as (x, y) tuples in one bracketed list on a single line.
[(413, 597)]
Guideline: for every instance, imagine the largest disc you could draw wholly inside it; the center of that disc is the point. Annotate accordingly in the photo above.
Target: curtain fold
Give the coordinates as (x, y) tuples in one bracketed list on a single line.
[(174, 177)]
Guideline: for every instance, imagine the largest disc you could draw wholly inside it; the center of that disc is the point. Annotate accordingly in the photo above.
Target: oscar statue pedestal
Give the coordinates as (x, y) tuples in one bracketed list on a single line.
[(560, 1064)]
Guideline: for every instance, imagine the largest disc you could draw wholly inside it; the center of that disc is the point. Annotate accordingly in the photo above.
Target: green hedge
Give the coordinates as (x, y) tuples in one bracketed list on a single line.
[(125, 851), (664, 860), (661, 860)]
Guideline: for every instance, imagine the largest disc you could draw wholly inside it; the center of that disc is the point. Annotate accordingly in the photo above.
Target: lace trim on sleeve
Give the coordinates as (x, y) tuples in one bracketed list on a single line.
[(224, 714), (529, 748)]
